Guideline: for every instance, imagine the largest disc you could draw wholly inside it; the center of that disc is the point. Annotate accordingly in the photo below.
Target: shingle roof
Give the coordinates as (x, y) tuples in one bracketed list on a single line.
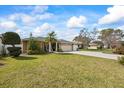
[(43, 39), (36, 38), (64, 41)]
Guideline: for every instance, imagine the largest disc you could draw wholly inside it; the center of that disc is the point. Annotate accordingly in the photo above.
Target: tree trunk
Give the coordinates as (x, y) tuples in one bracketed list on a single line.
[(50, 48), (56, 47), (4, 50)]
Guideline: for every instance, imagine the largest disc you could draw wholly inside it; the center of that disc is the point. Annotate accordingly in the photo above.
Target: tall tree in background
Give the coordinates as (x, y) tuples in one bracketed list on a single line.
[(110, 37), (51, 37), (83, 37), (94, 34)]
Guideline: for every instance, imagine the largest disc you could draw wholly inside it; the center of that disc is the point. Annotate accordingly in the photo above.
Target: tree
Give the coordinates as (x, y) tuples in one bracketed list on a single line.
[(51, 38), (99, 43), (34, 46), (12, 38), (94, 34), (83, 37), (111, 36)]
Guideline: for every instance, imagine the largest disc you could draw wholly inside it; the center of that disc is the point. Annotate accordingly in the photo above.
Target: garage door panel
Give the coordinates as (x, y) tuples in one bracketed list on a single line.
[(66, 47)]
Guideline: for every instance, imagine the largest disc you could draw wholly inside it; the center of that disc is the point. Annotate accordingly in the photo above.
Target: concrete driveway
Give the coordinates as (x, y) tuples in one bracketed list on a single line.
[(96, 54)]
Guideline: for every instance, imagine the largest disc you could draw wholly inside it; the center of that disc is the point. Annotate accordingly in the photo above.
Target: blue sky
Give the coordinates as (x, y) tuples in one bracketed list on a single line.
[(66, 21)]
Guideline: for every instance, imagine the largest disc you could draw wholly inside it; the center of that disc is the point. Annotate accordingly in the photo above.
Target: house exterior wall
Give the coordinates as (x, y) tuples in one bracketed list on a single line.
[(66, 47), (44, 46), (93, 47), (26, 43), (24, 46)]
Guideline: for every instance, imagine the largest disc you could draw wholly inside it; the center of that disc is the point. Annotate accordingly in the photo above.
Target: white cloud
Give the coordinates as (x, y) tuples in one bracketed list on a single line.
[(115, 13), (29, 19), (8, 25), (65, 34), (14, 17), (18, 31), (121, 27), (44, 16), (76, 22), (22, 33), (25, 18), (40, 9), (44, 27)]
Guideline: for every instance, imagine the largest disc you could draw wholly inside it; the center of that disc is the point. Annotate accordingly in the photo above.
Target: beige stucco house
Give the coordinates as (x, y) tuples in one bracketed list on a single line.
[(96, 45), (60, 45), (93, 46)]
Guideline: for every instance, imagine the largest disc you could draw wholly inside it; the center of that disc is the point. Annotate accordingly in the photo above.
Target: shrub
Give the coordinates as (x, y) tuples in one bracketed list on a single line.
[(121, 60), (34, 48), (33, 45), (60, 50), (34, 52), (119, 50), (14, 51)]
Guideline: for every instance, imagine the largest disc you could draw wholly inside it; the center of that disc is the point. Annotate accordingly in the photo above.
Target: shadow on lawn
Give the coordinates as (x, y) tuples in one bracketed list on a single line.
[(1, 64), (25, 58), (1, 61), (65, 54)]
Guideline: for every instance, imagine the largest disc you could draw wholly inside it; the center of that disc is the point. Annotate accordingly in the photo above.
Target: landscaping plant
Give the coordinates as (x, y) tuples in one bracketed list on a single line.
[(121, 60), (12, 38), (34, 47)]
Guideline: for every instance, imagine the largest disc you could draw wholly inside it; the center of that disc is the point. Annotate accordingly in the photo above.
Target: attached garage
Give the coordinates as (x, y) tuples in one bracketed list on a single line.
[(66, 47)]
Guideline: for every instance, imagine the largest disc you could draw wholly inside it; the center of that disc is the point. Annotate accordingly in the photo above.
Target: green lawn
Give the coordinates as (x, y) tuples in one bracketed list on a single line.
[(60, 70), (108, 51)]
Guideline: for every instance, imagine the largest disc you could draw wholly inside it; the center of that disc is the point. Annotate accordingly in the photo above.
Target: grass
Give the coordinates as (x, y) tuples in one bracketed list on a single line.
[(108, 51), (60, 70)]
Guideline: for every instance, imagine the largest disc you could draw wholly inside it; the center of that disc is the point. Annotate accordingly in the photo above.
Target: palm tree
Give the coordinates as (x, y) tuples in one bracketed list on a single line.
[(51, 37)]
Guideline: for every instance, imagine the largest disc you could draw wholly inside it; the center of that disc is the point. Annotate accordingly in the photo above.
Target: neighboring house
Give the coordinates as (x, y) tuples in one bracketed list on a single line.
[(60, 45), (96, 45), (93, 46), (114, 44)]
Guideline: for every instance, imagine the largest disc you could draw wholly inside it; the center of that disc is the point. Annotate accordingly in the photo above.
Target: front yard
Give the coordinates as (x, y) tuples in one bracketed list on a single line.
[(60, 70)]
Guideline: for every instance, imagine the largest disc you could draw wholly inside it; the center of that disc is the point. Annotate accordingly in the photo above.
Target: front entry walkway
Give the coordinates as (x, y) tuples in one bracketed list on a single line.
[(96, 54)]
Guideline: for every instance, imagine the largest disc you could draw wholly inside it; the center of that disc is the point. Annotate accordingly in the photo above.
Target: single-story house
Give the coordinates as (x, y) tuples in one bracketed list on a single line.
[(95, 45), (62, 45)]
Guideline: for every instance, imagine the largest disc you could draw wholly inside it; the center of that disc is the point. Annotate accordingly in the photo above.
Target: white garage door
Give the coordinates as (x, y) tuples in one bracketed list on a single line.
[(66, 47)]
